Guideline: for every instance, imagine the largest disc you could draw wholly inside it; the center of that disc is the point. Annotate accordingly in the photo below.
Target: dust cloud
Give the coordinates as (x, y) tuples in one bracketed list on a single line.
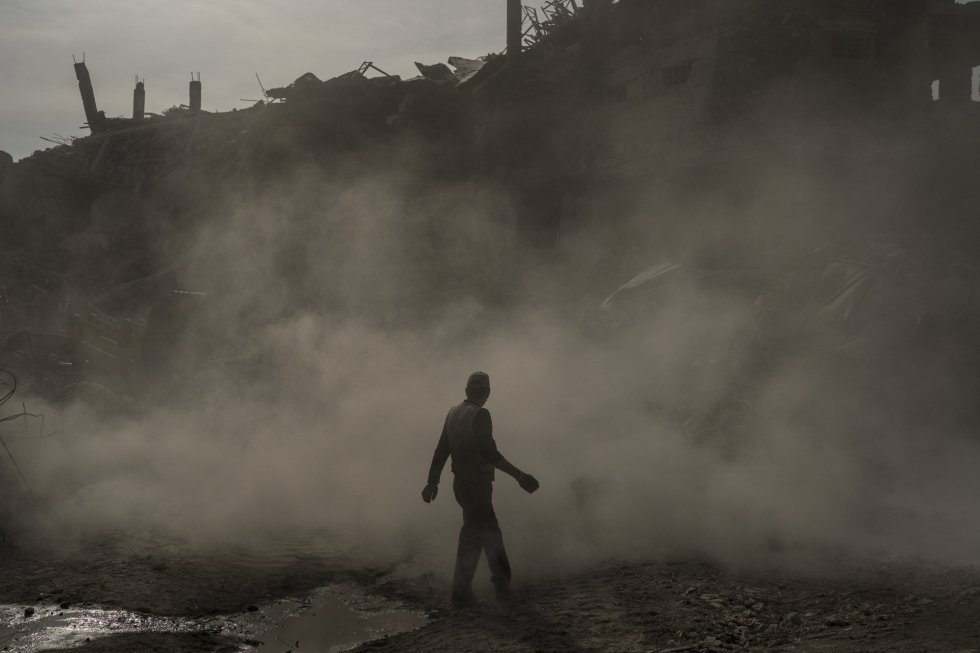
[(343, 313)]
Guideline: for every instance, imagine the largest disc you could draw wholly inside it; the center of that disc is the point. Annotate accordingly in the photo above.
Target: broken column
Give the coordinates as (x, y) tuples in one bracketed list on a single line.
[(515, 28), (139, 101), (93, 116), (195, 92)]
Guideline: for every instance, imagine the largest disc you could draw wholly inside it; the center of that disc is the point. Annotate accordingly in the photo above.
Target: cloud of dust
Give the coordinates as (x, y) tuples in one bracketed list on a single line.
[(344, 315)]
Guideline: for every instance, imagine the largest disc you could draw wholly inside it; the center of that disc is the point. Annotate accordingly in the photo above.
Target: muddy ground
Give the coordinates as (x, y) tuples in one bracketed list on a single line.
[(681, 605), (692, 606)]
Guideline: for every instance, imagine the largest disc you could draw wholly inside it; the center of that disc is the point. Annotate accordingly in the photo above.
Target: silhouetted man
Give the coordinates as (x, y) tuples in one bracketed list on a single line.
[(467, 436)]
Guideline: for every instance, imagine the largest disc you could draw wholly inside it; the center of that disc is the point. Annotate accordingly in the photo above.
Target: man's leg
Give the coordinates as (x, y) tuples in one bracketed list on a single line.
[(467, 557), (476, 511), (493, 544)]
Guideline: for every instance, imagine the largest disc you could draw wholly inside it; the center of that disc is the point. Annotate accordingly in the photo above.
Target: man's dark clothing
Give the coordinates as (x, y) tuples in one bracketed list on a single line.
[(467, 436)]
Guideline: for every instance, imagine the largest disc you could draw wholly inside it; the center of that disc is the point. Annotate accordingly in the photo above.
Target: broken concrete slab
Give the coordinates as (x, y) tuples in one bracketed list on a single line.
[(466, 68), (439, 72)]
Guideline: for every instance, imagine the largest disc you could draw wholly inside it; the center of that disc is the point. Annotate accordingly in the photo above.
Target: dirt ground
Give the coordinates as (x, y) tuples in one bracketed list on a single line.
[(691, 606), (631, 606)]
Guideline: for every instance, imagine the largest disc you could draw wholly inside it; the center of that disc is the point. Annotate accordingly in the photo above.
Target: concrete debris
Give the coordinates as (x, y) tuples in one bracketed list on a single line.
[(793, 618), (139, 101), (836, 621), (643, 279), (661, 149), (95, 118), (466, 69), (439, 72), (564, 122), (195, 90), (302, 84)]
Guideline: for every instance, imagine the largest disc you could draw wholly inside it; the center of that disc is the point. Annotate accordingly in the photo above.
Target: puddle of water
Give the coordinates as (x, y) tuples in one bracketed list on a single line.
[(329, 624), (329, 620)]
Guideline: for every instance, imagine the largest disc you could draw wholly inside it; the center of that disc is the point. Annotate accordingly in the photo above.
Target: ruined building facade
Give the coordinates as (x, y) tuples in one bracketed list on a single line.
[(731, 134), (844, 118), (650, 92), (677, 66)]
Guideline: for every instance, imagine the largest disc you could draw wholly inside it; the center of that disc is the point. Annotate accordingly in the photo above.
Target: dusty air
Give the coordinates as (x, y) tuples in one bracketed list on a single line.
[(571, 326)]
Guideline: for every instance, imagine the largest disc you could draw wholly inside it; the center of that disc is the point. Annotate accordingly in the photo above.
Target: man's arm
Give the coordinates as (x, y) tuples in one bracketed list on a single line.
[(439, 458), (483, 426)]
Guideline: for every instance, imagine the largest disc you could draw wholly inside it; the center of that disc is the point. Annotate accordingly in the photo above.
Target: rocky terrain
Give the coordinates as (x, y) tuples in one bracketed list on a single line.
[(831, 604)]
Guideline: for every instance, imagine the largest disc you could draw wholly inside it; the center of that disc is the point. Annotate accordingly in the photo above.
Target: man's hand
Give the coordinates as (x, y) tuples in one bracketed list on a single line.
[(528, 483), (430, 491)]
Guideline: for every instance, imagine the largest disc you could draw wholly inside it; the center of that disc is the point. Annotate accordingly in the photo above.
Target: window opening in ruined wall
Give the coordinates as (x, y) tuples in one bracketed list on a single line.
[(937, 90)]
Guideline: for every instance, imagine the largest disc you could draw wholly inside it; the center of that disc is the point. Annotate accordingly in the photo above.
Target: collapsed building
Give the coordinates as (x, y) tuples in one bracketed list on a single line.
[(660, 90), (636, 88), (596, 111)]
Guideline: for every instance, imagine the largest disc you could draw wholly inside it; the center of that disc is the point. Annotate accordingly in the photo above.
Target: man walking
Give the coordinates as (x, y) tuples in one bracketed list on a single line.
[(467, 436)]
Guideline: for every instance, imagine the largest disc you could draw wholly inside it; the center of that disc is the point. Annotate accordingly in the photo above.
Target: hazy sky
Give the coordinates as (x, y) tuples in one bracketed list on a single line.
[(228, 41)]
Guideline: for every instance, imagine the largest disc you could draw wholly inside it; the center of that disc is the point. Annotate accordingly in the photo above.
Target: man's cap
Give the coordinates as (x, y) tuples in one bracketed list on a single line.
[(478, 381)]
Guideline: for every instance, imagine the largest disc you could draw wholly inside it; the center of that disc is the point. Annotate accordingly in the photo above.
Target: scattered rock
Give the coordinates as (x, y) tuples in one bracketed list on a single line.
[(836, 621), (793, 618)]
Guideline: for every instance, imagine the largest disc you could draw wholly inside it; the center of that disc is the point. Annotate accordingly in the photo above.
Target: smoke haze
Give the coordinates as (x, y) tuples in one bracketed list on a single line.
[(344, 312)]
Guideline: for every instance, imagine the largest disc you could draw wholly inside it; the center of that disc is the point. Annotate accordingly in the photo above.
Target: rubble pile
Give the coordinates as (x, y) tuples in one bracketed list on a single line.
[(787, 157), (98, 230), (593, 115)]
